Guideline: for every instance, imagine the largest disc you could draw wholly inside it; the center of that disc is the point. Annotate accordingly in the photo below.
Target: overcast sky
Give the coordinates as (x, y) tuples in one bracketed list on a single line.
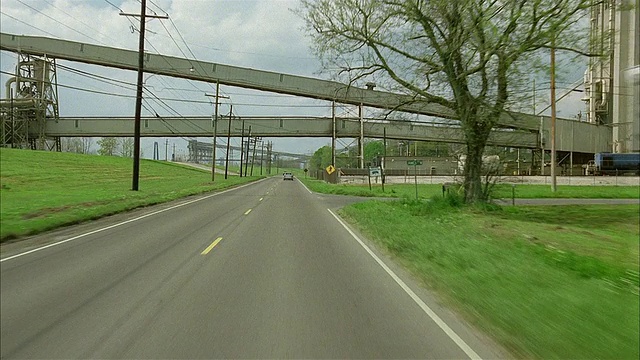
[(264, 35)]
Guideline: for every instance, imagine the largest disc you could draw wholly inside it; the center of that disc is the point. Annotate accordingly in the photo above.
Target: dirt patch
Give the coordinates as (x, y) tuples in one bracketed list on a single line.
[(48, 211)]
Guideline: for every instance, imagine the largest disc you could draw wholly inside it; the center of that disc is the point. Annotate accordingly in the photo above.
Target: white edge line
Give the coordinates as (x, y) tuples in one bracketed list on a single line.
[(124, 222), (305, 186), (452, 335)]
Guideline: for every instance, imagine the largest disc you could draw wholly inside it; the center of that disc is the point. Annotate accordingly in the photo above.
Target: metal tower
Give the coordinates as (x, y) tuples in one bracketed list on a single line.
[(612, 82), (32, 101)]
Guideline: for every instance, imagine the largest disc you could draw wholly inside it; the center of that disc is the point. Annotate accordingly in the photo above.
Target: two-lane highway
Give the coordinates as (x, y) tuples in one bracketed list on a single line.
[(262, 271)]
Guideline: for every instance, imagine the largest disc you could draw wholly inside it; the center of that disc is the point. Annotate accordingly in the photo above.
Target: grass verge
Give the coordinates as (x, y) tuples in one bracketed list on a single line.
[(545, 282), (502, 191), (40, 191)]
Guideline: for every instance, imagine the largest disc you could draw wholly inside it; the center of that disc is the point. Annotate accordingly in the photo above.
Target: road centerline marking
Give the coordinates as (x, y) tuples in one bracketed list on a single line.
[(247, 212), (425, 308), (210, 247), (126, 222)]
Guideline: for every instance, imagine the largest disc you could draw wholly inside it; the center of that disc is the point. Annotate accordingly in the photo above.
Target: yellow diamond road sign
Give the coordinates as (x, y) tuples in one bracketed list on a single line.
[(330, 169)]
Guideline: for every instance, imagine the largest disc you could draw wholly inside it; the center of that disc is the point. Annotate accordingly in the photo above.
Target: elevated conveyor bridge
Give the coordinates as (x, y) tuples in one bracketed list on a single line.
[(513, 129)]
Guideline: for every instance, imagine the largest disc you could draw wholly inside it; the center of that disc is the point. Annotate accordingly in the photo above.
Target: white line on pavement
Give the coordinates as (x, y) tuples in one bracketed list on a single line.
[(123, 223), (305, 186), (461, 344)]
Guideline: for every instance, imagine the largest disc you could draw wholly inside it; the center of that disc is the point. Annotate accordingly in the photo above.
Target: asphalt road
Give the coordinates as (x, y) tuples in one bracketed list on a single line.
[(262, 271)]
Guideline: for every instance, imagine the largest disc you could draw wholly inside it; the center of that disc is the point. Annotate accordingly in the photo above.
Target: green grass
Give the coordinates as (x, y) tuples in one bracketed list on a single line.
[(390, 190), (546, 282), (426, 191), (40, 191), (567, 191)]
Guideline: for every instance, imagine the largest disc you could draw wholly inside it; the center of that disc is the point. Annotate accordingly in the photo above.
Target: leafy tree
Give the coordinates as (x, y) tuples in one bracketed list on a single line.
[(372, 149), (434, 149), (321, 158), (108, 146), (471, 56)]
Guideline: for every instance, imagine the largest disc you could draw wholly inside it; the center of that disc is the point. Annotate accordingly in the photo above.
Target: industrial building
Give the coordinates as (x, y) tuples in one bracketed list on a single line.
[(612, 81)]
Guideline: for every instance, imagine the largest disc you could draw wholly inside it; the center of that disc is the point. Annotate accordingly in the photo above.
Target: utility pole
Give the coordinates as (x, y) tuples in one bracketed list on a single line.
[(269, 160), (136, 129), (361, 138), (173, 155), (253, 158), (215, 128), (384, 155), (553, 115), (261, 156), (242, 148), (226, 164), (166, 149), (246, 165), (333, 133)]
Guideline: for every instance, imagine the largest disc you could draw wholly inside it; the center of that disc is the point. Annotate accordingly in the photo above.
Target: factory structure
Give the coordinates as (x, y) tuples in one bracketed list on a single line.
[(612, 81)]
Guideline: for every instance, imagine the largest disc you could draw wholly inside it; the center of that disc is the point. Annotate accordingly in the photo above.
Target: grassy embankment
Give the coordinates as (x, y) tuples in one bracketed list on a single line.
[(545, 281), (44, 190)]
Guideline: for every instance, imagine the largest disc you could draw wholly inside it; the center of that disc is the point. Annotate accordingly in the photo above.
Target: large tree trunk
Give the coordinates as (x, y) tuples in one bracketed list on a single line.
[(473, 173), (477, 134)]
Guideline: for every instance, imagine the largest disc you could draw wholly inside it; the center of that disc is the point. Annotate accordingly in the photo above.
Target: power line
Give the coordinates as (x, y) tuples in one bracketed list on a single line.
[(35, 27), (167, 106), (63, 24), (78, 20), (157, 97), (104, 79), (81, 89), (171, 66), (188, 48), (110, 3)]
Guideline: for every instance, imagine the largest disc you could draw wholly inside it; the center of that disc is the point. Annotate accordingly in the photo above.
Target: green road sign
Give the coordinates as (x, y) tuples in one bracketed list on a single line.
[(414, 162)]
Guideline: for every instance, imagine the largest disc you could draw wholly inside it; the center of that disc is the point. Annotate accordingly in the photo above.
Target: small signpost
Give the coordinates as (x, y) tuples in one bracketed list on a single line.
[(415, 163), (374, 171)]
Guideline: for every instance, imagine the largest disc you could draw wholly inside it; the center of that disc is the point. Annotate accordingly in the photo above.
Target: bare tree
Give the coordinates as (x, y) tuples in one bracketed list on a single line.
[(78, 145), (73, 145), (471, 56), (126, 146), (108, 146), (87, 143)]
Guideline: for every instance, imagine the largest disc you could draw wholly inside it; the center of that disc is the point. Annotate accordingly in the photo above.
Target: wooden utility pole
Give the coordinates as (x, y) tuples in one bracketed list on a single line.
[(136, 129), (246, 159), (253, 158), (226, 164), (215, 128), (242, 148), (553, 116), (333, 133), (361, 138)]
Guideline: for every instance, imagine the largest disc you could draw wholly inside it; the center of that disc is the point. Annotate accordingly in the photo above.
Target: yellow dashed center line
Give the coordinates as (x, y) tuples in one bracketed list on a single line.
[(210, 247), (247, 212)]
